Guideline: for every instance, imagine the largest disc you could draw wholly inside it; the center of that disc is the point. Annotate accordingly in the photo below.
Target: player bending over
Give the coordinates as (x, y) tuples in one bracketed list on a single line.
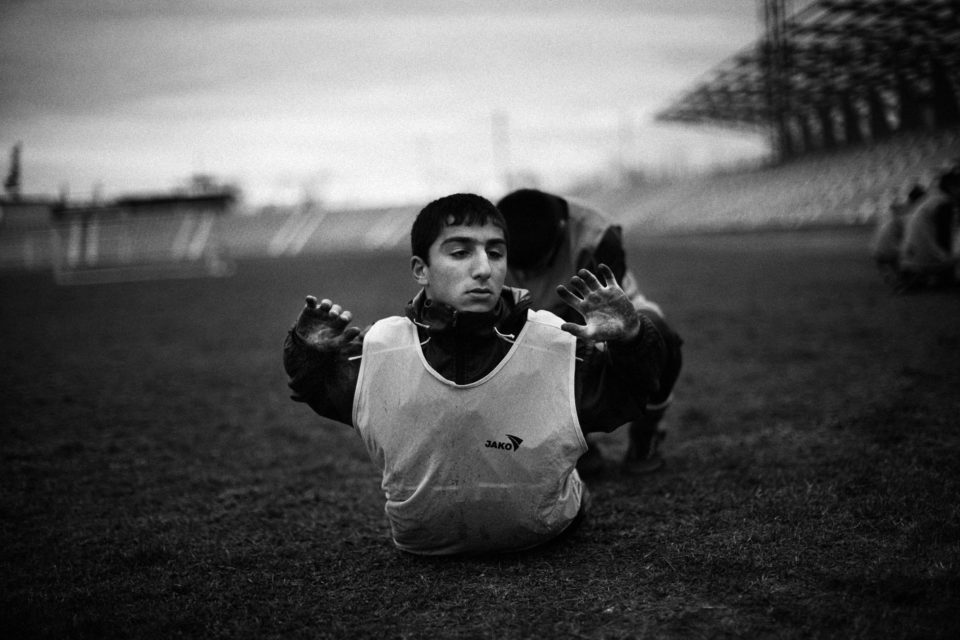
[(553, 237)]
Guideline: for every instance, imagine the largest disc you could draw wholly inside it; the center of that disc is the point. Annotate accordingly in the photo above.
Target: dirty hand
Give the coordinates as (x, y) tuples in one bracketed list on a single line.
[(322, 323), (606, 310)]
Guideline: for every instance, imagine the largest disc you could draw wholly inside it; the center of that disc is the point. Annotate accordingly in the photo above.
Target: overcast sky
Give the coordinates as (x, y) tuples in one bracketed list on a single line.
[(355, 101)]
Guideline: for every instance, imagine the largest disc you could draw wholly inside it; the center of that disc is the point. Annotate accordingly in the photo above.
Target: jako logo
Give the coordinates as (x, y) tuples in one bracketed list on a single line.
[(513, 445)]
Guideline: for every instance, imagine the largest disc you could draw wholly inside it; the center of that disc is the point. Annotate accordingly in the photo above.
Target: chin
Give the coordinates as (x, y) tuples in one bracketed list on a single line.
[(478, 307)]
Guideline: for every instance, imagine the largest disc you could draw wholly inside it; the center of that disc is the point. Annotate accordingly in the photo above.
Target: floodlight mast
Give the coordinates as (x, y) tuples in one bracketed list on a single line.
[(775, 69)]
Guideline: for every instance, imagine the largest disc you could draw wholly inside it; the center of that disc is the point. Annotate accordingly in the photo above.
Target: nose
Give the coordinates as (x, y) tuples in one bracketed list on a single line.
[(481, 266)]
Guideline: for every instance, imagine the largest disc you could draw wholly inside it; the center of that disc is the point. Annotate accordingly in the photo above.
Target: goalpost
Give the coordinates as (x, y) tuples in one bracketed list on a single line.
[(100, 246)]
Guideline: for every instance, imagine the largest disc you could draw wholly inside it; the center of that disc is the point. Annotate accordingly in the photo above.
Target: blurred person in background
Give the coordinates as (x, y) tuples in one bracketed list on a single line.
[(552, 238), (888, 236), (473, 405), (929, 252)]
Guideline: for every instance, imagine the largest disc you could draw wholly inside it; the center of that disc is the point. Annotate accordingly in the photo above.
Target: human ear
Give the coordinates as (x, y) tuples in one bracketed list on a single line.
[(420, 270)]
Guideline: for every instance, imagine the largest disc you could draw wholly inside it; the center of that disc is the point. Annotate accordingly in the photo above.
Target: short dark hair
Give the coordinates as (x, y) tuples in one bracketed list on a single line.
[(460, 208), (535, 220)]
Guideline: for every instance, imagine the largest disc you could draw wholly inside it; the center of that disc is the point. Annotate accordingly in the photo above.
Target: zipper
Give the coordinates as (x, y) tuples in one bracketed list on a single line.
[(458, 359)]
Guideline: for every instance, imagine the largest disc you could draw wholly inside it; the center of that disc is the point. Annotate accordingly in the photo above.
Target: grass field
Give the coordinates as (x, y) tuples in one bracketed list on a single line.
[(157, 482)]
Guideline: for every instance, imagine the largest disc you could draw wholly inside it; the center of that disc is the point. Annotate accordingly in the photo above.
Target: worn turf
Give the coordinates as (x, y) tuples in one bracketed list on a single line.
[(156, 480)]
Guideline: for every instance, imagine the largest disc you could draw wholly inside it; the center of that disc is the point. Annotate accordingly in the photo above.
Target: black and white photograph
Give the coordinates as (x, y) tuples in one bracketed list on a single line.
[(480, 319)]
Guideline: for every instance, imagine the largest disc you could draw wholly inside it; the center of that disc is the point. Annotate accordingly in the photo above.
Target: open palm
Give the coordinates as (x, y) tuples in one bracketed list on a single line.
[(607, 312), (322, 323)]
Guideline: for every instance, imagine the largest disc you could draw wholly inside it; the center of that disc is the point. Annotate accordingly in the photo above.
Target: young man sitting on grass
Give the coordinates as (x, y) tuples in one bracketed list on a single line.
[(471, 403)]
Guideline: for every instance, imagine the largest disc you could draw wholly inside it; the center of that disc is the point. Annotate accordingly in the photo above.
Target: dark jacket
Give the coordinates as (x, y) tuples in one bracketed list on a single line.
[(613, 381)]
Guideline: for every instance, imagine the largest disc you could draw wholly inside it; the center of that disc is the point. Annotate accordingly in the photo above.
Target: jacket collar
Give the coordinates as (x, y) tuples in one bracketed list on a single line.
[(507, 316)]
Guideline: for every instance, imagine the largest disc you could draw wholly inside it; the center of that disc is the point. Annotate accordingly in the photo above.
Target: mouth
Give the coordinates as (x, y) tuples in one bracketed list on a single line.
[(480, 292)]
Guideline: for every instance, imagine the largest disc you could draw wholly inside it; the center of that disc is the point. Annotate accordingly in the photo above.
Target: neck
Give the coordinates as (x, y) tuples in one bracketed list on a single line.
[(443, 317)]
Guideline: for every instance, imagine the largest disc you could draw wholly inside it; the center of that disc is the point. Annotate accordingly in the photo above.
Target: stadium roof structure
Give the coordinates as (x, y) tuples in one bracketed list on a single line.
[(836, 72)]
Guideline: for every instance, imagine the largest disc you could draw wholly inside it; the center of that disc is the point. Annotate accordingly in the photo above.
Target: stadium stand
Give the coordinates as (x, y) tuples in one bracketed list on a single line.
[(844, 187), (314, 230), (859, 98), (836, 73)]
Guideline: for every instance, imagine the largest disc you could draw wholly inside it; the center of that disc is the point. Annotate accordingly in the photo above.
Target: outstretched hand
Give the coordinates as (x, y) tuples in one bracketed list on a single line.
[(325, 323), (606, 310)]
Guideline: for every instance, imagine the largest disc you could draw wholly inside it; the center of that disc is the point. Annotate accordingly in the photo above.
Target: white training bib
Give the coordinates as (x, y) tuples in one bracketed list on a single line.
[(485, 466)]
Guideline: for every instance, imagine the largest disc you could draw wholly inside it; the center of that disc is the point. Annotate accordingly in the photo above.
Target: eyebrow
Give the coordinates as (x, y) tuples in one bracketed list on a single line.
[(470, 240)]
